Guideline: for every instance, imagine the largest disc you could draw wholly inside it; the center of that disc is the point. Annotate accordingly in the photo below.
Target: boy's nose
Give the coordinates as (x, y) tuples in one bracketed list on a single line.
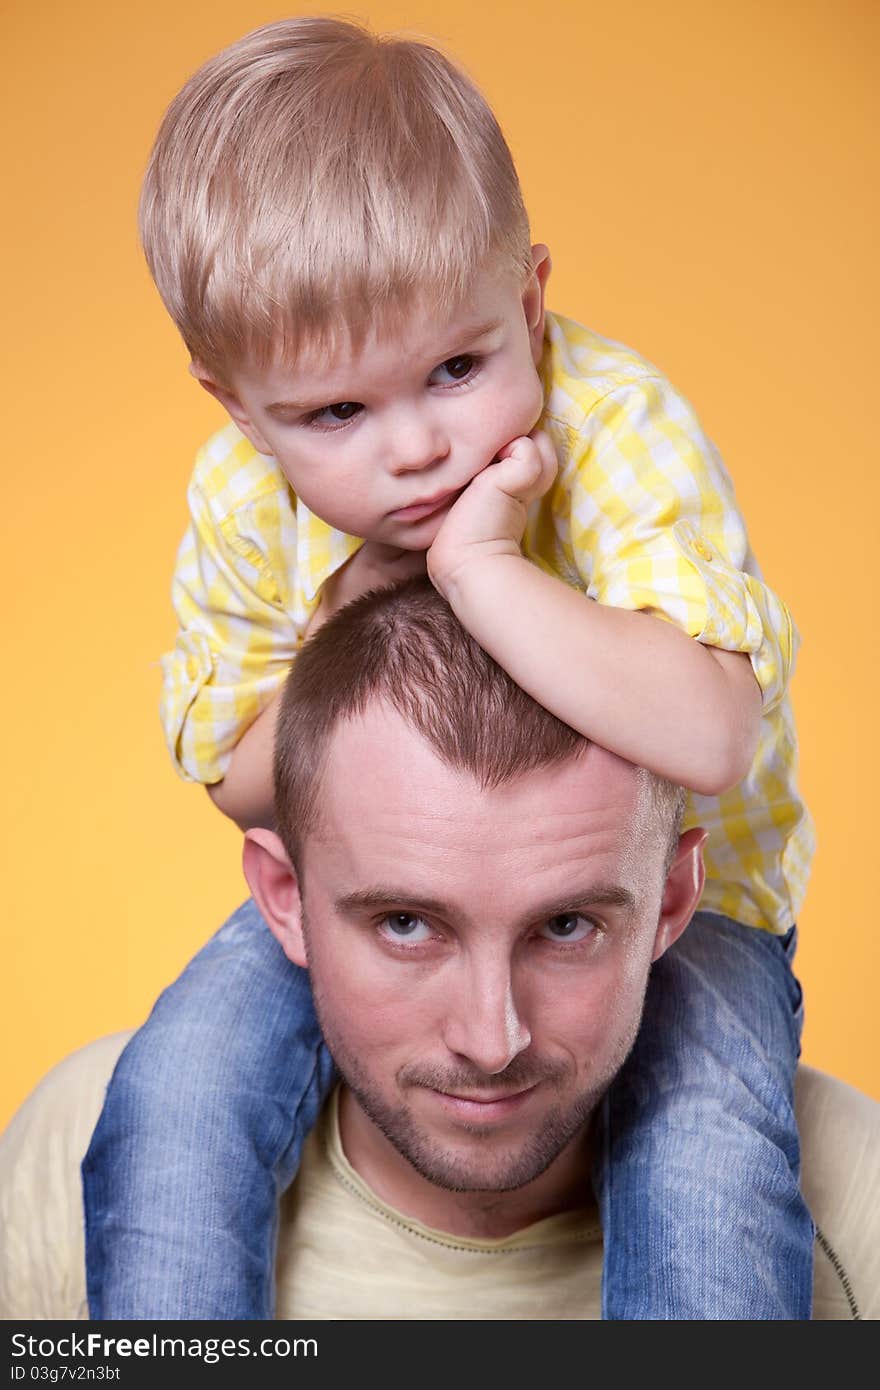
[(416, 443)]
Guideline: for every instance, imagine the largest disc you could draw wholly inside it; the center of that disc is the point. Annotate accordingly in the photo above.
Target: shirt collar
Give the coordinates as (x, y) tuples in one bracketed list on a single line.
[(320, 550)]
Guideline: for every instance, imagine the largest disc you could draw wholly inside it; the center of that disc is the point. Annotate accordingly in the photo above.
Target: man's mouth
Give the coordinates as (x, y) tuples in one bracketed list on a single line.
[(484, 1106)]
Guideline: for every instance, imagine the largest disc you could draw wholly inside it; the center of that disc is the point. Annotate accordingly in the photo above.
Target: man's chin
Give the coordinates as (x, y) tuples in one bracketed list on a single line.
[(474, 1157), (507, 1172)]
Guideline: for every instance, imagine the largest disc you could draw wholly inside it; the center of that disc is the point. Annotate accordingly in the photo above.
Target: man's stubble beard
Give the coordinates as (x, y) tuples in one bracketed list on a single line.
[(445, 1169), (511, 1169)]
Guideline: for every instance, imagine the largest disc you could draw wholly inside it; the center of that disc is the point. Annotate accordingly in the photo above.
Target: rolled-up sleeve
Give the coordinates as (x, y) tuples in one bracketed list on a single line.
[(235, 643), (655, 528)]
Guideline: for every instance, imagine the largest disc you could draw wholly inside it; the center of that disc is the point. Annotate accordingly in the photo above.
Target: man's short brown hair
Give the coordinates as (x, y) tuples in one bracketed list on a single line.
[(405, 646)]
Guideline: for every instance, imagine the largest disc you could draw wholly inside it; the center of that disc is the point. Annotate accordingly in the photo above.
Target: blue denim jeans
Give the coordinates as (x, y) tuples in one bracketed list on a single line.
[(697, 1160), (697, 1149)]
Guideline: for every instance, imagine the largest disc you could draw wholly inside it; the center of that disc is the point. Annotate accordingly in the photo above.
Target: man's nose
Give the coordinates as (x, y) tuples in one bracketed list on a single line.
[(484, 1024), (416, 441)]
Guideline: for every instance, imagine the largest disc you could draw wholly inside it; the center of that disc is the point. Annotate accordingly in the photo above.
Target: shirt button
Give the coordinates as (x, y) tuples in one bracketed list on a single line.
[(703, 551)]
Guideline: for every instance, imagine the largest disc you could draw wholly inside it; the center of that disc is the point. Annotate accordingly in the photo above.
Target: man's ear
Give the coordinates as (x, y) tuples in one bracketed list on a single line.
[(274, 885), (683, 890), (231, 404), (533, 298)]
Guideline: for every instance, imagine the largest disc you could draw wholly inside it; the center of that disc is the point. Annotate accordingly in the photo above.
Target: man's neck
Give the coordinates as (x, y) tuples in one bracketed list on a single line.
[(479, 1215)]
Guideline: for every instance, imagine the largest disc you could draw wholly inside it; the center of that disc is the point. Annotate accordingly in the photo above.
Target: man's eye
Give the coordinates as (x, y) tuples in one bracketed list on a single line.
[(458, 368), (405, 926), (568, 927)]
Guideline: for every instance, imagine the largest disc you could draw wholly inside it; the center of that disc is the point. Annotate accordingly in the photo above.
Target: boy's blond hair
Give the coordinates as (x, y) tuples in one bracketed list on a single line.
[(315, 178)]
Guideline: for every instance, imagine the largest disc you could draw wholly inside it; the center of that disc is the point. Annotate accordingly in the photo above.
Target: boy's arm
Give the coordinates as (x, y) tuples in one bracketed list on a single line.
[(234, 646), (631, 682), (246, 793)]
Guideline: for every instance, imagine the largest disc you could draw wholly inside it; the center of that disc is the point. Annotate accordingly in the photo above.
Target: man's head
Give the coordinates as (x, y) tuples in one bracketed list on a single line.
[(478, 893), (335, 224)]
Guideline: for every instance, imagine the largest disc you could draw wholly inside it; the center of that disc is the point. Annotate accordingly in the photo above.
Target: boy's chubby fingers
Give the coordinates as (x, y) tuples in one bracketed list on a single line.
[(489, 517), (526, 467)]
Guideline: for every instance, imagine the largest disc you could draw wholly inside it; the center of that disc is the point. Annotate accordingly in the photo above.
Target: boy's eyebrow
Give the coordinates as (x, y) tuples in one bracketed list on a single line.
[(471, 333), (478, 330), (295, 407), (468, 333)]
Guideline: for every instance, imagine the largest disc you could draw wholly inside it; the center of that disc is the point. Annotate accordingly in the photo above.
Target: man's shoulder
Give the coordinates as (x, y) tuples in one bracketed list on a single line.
[(42, 1255), (840, 1176), (581, 367), (230, 475)]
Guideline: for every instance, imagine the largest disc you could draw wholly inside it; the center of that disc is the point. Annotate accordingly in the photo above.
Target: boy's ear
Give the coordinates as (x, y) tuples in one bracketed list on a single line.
[(533, 298), (273, 883), (682, 891), (231, 404)]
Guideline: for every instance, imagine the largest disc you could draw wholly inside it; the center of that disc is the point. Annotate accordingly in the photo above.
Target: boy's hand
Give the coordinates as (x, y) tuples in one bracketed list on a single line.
[(489, 517), (374, 566)]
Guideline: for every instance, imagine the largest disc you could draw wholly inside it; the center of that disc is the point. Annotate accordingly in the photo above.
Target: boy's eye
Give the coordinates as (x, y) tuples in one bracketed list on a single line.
[(342, 410), (329, 417), (457, 367)]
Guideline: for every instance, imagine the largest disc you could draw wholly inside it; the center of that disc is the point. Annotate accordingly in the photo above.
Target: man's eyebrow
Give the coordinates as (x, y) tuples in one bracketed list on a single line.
[(382, 895), (387, 895), (599, 895)]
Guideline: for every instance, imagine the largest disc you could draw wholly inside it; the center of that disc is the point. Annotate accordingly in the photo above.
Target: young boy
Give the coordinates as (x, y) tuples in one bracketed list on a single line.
[(335, 224)]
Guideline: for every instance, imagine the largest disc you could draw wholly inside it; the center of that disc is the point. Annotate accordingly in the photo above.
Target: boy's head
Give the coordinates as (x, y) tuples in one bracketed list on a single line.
[(316, 176), (335, 224)]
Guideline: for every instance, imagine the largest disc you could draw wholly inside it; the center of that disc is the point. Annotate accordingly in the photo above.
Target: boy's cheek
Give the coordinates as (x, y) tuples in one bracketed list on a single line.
[(520, 410)]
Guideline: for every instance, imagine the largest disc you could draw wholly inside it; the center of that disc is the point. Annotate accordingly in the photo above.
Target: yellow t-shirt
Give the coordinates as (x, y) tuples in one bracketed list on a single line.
[(642, 516)]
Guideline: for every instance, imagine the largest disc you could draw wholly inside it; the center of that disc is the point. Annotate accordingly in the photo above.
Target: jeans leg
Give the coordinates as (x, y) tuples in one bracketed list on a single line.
[(201, 1131), (698, 1159)]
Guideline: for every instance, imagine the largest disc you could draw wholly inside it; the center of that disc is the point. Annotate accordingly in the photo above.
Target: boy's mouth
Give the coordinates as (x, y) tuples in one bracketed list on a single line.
[(426, 507)]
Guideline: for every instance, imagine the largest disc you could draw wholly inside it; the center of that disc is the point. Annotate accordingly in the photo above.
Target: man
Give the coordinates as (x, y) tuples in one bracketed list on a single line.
[(478, 914), (479, 895)]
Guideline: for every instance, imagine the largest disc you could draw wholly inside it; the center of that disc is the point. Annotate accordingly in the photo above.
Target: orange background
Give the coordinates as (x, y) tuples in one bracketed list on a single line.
[(705, 177)]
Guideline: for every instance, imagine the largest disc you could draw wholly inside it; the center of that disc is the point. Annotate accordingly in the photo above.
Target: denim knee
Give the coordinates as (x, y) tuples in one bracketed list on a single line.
[(202, 1128)]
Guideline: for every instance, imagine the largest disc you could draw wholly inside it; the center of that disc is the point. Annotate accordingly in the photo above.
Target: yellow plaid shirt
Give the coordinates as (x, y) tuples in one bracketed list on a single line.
[(642, 516)]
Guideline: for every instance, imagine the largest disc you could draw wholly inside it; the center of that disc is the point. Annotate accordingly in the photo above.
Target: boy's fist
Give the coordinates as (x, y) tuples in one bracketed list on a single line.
[(489, 517)]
